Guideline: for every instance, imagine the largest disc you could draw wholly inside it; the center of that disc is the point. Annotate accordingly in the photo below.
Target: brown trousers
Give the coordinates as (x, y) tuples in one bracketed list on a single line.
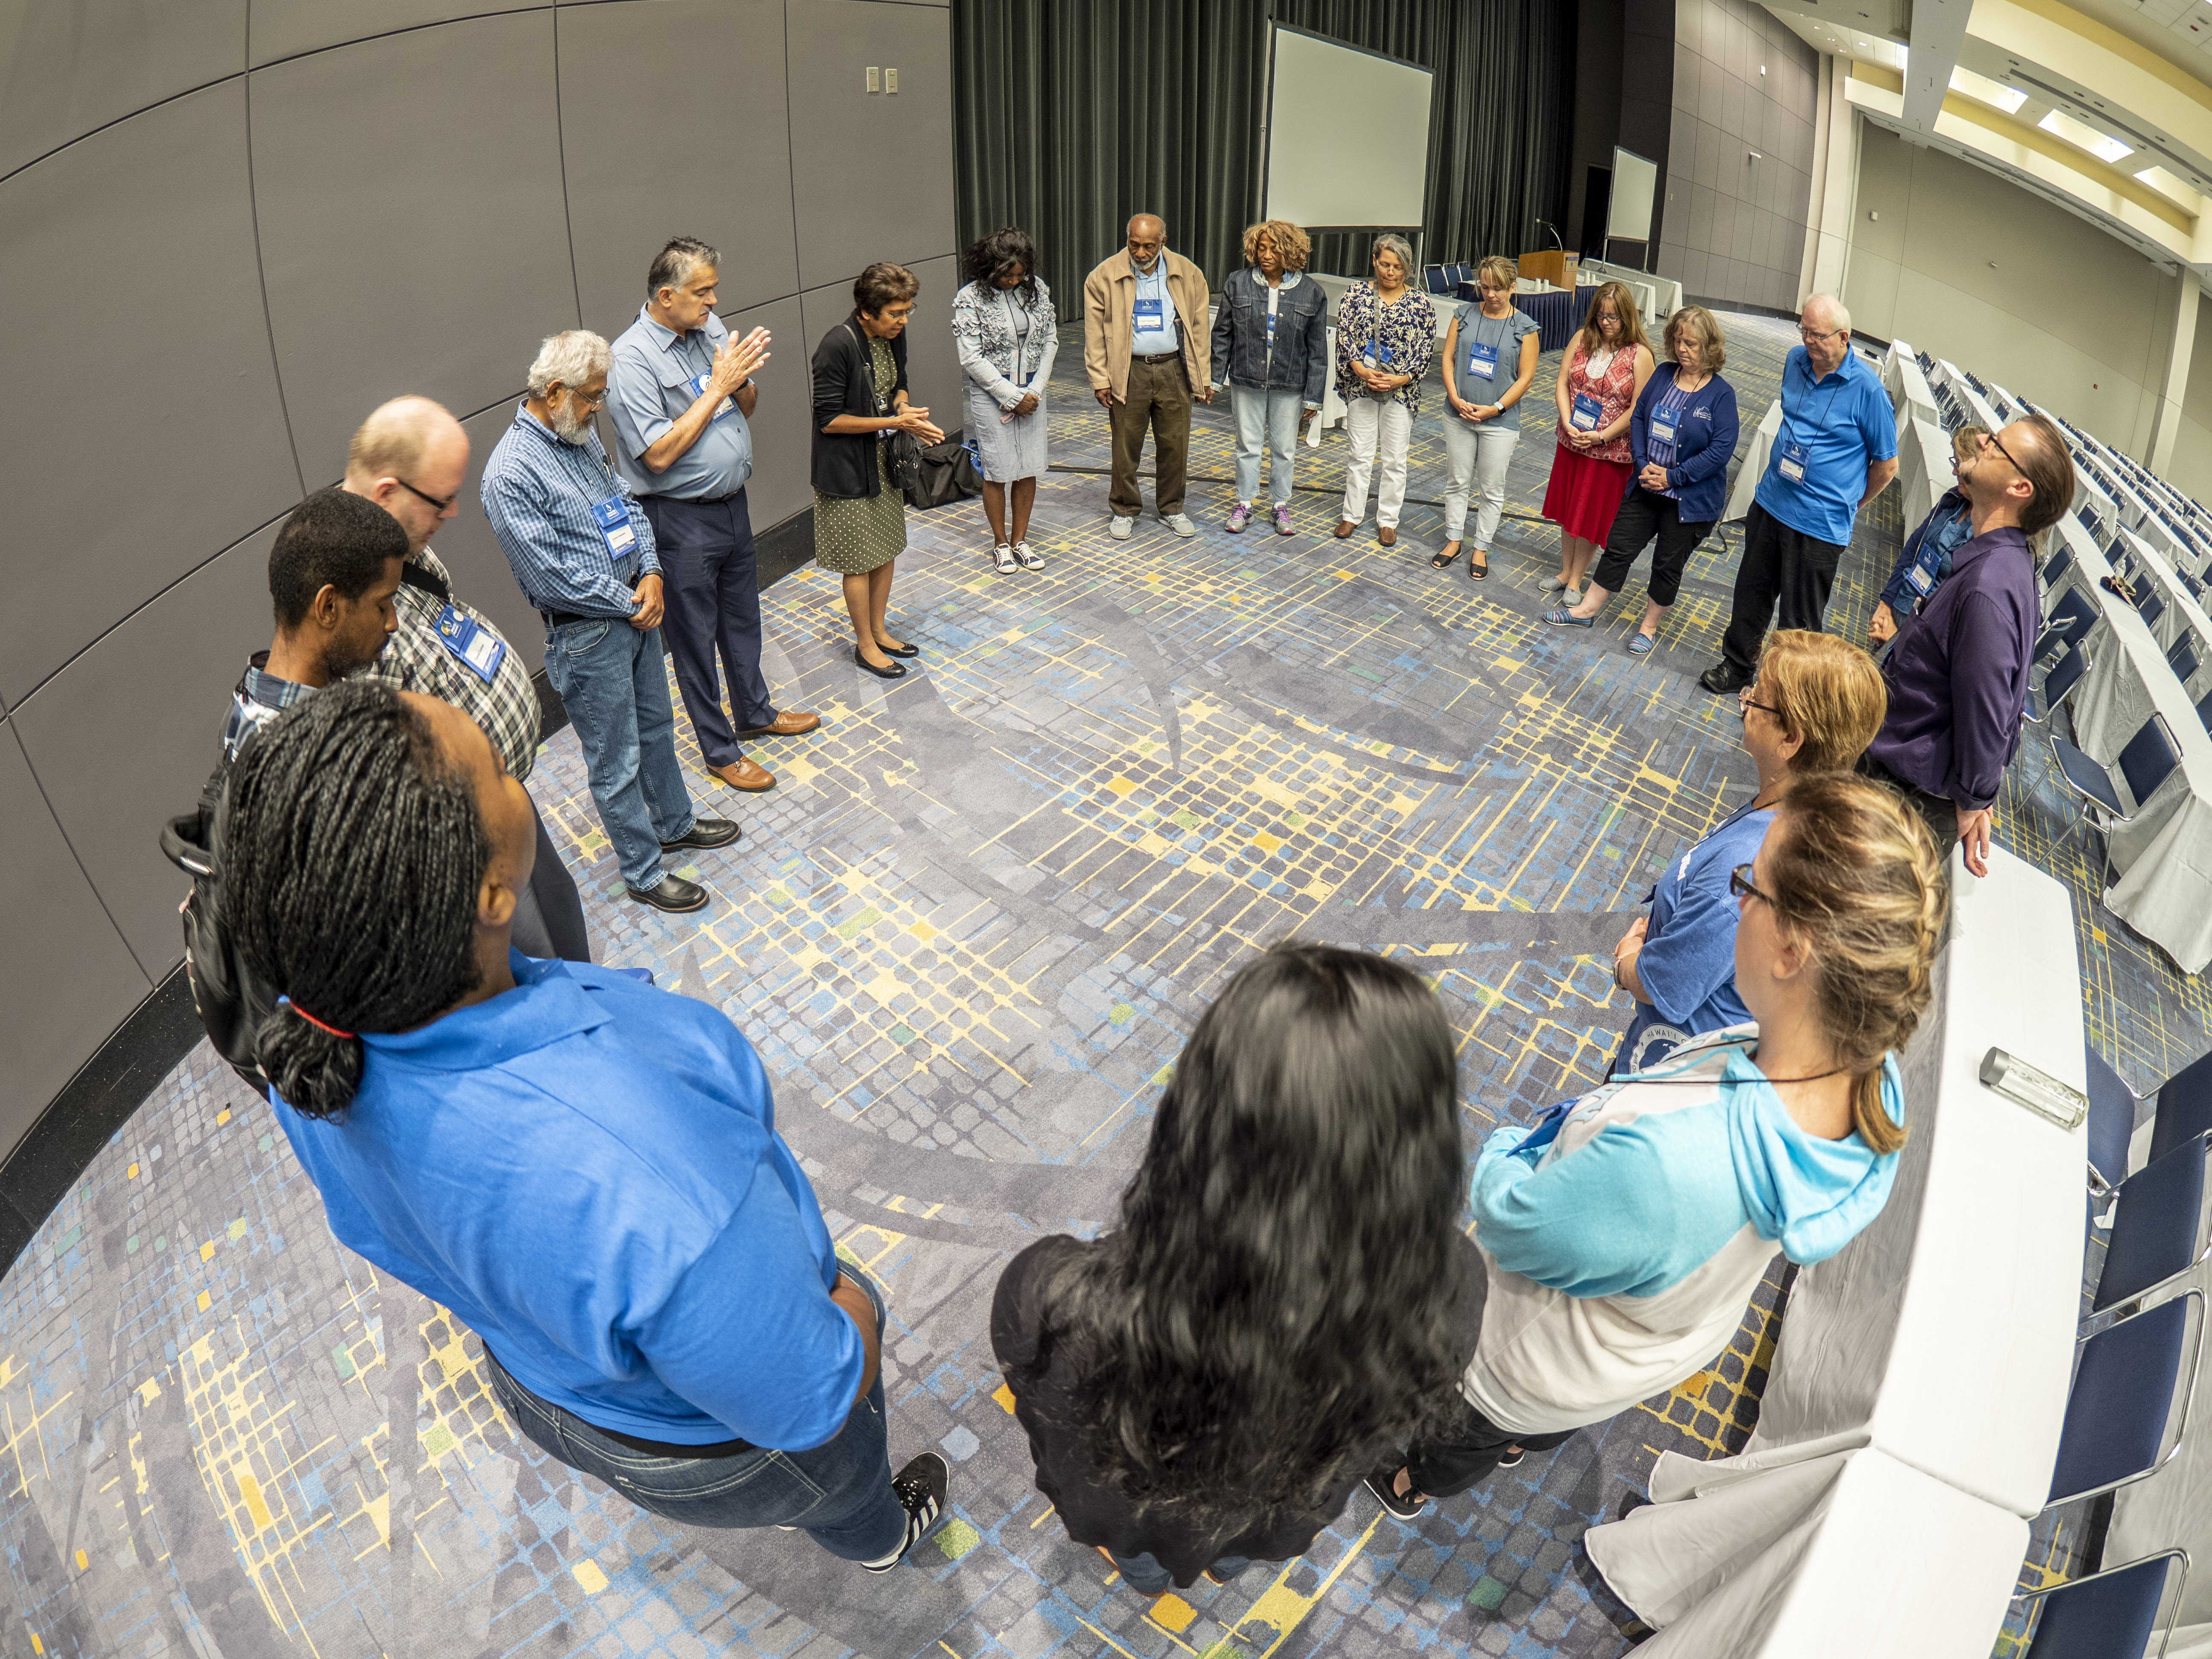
[(1159, 399)]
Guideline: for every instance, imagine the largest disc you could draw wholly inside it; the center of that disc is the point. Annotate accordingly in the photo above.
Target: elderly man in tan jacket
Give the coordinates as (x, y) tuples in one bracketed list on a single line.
[(1145, 340)]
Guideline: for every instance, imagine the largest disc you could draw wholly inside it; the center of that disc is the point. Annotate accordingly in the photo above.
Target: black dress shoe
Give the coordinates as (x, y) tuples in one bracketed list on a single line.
[(894, 672), (898, 650), (705, 832), (1722, 679), (674, 894)]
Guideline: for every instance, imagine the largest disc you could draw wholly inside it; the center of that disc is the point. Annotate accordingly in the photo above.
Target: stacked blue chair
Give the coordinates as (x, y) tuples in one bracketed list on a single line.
[(2129, 1407), (2108, 1613), (2182, 659), (2147, 761)]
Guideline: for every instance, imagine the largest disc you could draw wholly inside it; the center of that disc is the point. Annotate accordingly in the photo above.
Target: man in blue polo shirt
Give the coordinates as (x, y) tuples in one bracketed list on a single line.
[(680, 392), (1836, 451)]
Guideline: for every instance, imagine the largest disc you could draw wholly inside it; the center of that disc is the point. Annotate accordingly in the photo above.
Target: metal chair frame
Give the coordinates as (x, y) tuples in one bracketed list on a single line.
[(2172, 1618)]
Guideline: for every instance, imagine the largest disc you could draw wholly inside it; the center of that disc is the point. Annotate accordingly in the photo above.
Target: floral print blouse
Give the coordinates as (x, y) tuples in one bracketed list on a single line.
[(1405, 330)]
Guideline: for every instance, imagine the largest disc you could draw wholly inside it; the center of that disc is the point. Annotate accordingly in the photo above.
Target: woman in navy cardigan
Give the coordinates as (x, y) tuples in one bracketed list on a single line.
[(1681, 438)]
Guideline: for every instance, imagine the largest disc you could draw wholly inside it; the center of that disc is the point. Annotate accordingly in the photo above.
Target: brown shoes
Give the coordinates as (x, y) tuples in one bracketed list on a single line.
[(744, 773), (788, 724), (1386, 536), (1344, 528)]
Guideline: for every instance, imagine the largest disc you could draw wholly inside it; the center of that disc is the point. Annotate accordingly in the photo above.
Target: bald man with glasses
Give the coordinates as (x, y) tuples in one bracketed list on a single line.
[(1836, 451)]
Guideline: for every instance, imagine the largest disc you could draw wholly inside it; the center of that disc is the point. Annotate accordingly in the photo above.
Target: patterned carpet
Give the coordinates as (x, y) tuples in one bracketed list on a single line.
[(968, 933)]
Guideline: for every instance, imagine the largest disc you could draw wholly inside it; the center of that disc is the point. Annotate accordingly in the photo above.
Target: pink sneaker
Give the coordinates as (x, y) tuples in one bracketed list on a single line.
[(1283, 521), (1241, 517)]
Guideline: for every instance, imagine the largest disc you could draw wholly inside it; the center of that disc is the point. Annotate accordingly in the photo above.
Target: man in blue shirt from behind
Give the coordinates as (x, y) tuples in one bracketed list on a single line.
[(585, 1169), (1836, 451)]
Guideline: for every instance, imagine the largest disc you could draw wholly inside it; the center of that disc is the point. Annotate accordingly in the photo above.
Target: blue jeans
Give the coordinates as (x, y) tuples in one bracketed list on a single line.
[(707, 571), (611, 678), (838, 1494), (1149, 1577), (1273, 416)]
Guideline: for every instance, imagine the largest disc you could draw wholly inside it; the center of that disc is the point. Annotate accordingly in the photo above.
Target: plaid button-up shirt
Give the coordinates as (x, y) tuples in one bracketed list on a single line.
[(415, 659)]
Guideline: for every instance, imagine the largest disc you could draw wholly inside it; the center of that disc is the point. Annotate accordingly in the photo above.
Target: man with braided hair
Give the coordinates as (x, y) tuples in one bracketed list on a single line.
[(584, 1169)]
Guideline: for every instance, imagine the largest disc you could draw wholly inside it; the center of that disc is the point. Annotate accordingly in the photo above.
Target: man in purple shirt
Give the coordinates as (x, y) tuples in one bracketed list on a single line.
[(1957, 674)]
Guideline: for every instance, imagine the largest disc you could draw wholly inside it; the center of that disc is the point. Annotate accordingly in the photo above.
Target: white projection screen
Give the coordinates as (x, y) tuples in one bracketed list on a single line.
[(1325, 168), (1635, 181)]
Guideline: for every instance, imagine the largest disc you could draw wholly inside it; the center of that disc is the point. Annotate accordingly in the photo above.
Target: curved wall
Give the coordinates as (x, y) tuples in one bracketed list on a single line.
[(228, 228)]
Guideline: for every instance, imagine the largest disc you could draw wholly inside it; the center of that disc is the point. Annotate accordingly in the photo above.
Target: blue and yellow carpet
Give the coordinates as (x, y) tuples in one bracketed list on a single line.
[(968, 934)]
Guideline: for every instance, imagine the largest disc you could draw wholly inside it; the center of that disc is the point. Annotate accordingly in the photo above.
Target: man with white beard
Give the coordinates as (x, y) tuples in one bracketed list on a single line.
[(582, 550)]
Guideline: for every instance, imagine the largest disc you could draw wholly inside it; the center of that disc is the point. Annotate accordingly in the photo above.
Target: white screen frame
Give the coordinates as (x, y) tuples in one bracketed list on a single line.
[(1308, 147), (1628, 210)]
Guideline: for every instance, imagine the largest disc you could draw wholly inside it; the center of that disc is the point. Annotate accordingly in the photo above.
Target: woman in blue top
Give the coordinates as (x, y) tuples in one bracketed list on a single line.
[(1926, 559), (582, 1168), (1815, 705), (1680, 440)]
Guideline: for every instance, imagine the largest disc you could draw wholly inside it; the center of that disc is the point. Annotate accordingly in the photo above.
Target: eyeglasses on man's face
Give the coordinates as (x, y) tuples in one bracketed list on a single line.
[(1990, 442), (443, 503), (1814, 335)]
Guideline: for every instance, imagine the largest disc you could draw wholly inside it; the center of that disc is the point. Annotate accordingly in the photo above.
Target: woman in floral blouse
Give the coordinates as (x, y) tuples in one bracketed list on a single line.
[(1386, 335), (1607, 366)]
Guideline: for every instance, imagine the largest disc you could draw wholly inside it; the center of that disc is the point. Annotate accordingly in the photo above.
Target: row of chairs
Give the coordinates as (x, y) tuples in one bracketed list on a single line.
[(1445, 279)]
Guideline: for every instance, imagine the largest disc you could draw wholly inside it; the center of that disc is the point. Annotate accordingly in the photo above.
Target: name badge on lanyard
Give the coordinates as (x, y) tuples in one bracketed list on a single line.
[(613, 515), (1663, 427), (479, 649), (1482, 359), (1587, 409), (1790, 459), (1923, 576), (697, 386), (1151, 314)]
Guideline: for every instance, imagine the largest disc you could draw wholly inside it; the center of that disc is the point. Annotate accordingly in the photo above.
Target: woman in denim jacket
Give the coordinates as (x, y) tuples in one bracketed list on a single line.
[(1271, 348)]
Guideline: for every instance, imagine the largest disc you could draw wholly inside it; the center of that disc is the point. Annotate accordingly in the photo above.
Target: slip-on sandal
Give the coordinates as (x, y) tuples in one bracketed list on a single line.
[(1640, 644), (1562, 617)]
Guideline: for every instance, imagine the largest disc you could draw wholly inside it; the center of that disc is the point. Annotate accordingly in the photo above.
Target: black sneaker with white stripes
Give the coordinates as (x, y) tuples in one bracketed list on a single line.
[(920, 1487)]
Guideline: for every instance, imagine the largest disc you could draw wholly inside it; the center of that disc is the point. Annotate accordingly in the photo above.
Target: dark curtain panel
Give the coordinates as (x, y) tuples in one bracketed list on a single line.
[(1070, 115)]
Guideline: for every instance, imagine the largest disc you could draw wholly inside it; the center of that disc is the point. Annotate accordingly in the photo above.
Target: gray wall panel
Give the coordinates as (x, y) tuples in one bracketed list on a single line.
[(782, 422), (116, 762), (635, 183), (873, 178), (69, 69), (416, 247), (286, 28), (95, 532), (66, 981)]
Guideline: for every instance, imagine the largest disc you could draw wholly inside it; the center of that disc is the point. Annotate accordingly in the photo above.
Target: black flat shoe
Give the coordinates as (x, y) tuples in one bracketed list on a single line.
[(898, 650), (894, 670)]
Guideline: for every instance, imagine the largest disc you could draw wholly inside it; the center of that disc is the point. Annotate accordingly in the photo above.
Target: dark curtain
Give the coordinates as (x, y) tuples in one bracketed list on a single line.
[(1070, 115)]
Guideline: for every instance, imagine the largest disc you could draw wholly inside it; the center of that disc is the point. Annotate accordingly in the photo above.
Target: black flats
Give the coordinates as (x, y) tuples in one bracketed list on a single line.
[(892, 671)]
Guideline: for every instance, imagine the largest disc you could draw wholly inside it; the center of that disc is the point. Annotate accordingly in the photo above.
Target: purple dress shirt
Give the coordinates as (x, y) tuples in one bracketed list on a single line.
[(1957, 674)]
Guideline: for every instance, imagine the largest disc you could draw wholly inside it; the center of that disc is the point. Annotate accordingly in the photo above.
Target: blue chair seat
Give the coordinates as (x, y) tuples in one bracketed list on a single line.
[(2107, 1614), (2158, 1227), (2088, 777), (2125, 1387), (2111, 1121)]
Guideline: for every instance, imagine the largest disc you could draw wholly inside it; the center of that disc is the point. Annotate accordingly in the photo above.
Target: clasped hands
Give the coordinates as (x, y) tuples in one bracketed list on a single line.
[(735, 362)]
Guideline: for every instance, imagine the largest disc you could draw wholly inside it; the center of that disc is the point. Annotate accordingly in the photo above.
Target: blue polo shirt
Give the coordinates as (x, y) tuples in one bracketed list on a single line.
[(1845, 424), (654, 375), (585, 1170)]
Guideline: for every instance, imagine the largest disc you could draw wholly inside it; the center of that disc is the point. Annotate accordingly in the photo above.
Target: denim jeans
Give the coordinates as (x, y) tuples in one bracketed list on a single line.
[(614, 682), (1477, 451), (838, 1494), (1147, 1576), (1273, 416)]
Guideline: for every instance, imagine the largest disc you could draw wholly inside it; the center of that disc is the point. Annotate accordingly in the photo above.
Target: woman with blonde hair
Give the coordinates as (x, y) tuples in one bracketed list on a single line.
[(1271, 350), (1599, 383), (1490, 358), (1624, 1234), (1679, 439)]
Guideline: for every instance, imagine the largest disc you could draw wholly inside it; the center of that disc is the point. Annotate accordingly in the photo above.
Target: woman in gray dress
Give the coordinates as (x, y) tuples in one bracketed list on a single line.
[(859, 401), (1004, 323)]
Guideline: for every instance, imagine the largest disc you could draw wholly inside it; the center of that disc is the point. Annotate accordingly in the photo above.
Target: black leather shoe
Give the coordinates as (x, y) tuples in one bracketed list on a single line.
[(1722, 679), (705, 832), (674, 894), (894, 670)]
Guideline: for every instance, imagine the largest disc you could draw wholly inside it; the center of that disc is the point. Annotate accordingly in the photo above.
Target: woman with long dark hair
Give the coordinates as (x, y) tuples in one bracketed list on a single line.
[(1207, 1383), (1007, 332)]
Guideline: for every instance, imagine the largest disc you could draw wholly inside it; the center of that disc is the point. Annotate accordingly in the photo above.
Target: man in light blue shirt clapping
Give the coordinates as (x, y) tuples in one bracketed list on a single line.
[(680, 393)]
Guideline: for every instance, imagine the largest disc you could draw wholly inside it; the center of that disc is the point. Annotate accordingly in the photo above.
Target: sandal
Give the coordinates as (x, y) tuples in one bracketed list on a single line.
[(1450, 552), (1002, 559), (1474, 574), (1562, 617), (1640, 644)]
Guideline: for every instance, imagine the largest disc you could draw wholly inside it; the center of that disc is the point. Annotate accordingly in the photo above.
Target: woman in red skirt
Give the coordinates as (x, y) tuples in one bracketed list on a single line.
[(1604, 371)]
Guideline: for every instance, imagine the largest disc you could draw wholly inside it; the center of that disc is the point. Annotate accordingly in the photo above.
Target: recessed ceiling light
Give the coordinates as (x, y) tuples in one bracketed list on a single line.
[(2080, 133), (1980, 87)]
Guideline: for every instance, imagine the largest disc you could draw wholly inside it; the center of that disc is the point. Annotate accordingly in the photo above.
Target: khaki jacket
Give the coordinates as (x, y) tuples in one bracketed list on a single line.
[(1110, 305)]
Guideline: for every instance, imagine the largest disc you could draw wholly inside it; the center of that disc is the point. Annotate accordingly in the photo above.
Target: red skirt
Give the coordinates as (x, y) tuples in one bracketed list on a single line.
[(1585, 493)]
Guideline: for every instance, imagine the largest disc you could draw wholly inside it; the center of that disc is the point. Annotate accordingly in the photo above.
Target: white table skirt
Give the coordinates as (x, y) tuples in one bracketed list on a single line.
[(1754, 463), (1851, 1555), (2182, 612), (1924, 471)]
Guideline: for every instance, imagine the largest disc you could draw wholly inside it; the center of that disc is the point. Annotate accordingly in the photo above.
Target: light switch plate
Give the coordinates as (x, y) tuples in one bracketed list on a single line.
[(872, 85), (890, 80)]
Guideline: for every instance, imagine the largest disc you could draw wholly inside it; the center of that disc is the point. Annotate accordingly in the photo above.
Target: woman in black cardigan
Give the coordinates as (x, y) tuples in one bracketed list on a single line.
[(859, 400)]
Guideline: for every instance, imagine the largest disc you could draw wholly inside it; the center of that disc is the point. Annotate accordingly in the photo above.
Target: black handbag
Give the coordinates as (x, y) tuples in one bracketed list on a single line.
[(948, 475)]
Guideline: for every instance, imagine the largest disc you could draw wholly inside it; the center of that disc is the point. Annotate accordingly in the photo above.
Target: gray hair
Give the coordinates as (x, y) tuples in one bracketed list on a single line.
[(1391, 242), (1838, 317), (675, 264), (571, 357)]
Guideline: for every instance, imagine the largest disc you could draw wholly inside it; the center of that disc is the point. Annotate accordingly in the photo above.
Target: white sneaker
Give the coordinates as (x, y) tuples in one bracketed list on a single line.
[(1029, 560), (1119, 529), (1002, 558), (1180, 523)]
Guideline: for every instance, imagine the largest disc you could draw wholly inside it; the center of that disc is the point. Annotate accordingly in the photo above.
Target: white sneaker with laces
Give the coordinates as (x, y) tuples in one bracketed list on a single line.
[(1180, 523), (1119, 529), (1030, 560), (1002, 559)]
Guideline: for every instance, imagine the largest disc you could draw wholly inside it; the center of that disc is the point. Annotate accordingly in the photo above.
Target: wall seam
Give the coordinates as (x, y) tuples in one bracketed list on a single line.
[(30, 766), (561, 149), (267, 323)]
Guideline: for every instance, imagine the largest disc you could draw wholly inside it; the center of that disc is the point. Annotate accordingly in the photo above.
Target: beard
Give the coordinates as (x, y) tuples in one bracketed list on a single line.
[(569, 426), (338, 660)]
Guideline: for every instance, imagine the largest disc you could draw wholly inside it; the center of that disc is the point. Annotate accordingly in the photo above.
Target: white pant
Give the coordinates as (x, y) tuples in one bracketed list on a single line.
[(1364, 418), (1271, 417), (1478, 454)]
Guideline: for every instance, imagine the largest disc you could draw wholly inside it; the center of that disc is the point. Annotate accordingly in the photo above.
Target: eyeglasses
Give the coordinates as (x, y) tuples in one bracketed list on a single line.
[(443, 503), (1740, 885), (1744, 700), (577, 393), (1814, 337), (1990, 439)]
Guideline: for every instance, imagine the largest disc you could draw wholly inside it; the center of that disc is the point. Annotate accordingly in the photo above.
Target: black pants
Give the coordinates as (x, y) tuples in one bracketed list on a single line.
[(1939, 812), (1468, 1450), (1643, 515), (549, 917), (712, 592), (1783, 564)]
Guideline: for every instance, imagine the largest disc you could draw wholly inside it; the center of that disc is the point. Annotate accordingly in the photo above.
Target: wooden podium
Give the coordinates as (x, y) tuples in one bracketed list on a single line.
[(1552, 265)]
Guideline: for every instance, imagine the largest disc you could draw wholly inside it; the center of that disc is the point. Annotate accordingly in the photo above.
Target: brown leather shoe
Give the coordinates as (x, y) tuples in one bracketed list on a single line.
[(744, 773), (788, 723), (1386, 536), (1344, 528)]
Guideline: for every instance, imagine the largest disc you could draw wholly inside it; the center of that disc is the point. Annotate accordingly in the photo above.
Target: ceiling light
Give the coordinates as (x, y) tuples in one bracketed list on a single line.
[(2083, 135), (1988, 91), (2176, 190)]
